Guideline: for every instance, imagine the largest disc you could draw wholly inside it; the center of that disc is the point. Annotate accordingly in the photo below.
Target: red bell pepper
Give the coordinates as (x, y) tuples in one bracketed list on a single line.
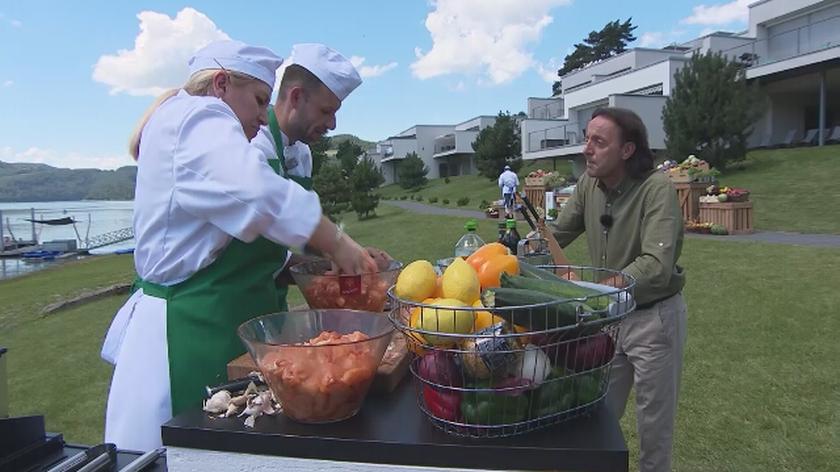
[(443, 404)]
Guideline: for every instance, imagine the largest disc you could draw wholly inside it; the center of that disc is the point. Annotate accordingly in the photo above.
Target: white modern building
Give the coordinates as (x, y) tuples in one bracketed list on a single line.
[(793, 47), (445, 149)]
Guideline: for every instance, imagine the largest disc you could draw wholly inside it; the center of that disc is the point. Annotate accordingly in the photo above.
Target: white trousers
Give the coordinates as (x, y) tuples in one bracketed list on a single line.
[(649, 356), (139, 400)]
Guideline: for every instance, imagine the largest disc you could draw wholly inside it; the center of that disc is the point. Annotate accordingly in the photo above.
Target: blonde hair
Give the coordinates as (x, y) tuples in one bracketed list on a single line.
[(199, 84)]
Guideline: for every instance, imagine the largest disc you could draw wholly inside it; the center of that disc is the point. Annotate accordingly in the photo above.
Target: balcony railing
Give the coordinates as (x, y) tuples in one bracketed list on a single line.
[(795, 42), (546, 112), (552, 138)]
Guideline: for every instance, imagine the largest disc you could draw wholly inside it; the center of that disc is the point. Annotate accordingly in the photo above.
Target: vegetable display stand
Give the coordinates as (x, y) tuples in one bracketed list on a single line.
[(529, 360), (736, 217), (689, 194)]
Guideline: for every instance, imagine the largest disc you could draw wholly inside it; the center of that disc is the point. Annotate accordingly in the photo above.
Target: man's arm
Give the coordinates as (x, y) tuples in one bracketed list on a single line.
[(661, 229)]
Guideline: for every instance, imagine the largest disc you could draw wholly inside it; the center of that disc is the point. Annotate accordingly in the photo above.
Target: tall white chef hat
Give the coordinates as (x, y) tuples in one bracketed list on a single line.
[(333, 69), (258, 62)]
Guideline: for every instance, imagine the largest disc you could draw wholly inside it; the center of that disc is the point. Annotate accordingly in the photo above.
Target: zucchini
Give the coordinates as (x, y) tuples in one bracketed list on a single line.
[(560, 288), (505, 302), (533, 272)]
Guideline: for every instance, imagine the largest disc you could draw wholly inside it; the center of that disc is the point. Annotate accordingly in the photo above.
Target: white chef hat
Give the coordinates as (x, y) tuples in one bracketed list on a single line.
[(333, 69), (258, 62)]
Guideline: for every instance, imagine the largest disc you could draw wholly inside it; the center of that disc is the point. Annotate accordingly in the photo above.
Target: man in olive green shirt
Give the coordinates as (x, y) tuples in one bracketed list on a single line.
[(633, 223)]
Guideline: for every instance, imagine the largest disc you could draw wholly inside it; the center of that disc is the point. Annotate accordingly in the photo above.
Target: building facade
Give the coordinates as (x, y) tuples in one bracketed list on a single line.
[(793, 51)]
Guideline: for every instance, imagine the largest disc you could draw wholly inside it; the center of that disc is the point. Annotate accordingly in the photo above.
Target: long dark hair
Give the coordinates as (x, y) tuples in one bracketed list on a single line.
[(632, 131)]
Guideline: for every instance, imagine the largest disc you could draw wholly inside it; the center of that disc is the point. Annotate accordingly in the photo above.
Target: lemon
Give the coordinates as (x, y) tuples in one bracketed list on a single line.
[(460, 282), (416, 281), (444, 320), (478, 303)]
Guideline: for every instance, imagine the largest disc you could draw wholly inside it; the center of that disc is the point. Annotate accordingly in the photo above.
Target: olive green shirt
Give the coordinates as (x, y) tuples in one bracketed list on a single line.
[(645, 237)]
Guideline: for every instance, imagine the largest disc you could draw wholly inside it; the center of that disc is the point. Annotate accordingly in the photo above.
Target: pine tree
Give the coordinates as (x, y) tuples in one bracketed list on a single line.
[(497, 146), (599, 45), (412, 172), (365, 179), (348, 156), (333, 189), (710, 111), (319, 153)]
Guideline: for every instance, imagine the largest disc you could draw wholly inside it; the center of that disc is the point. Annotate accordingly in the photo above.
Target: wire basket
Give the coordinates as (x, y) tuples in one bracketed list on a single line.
[(495, 372)]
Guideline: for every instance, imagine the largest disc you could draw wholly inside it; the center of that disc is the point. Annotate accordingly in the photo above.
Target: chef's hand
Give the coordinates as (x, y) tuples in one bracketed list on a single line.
[(350, 258)]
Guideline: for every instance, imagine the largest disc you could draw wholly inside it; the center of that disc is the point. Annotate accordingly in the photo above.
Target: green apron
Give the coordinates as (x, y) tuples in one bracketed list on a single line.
[(203, 312), (305, 182)]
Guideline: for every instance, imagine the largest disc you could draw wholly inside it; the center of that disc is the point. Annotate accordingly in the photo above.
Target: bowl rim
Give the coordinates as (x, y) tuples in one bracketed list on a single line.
[(390, 331), (297, 269)]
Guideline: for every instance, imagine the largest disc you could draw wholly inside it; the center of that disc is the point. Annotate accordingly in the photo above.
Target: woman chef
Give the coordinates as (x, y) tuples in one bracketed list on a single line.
[(211, 222)]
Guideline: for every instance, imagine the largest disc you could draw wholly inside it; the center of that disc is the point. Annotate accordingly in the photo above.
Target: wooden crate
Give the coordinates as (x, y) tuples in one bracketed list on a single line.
[(688, 194), (736, 217), (536, 194)]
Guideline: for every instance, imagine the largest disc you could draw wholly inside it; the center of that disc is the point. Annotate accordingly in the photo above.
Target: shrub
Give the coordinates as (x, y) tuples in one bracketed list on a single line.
[(404, 197), (552, 213), (484, 205), (446, 201), (446, 180), (433, 199), (463, 201), (419, 198)]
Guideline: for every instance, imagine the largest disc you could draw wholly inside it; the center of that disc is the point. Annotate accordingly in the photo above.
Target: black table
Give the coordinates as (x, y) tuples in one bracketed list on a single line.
[(390, 429)]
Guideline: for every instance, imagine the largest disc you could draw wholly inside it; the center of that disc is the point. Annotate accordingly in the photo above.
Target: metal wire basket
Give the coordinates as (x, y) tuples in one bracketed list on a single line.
[(494, 372)]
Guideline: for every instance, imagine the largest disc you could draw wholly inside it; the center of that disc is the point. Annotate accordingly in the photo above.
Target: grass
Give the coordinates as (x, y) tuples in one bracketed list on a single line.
[(476, 187), (759, 392), (792, 189)]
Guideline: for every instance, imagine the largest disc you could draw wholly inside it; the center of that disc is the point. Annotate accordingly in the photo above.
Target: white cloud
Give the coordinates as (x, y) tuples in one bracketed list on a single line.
[(8, 83), (161, 50), (548, 71), (722, 14), (485, 38), (657, 39), (370, 71), (72, 160)]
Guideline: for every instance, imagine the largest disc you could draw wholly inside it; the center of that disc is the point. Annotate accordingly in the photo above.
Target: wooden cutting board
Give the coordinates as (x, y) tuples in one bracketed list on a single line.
[(393, 368)]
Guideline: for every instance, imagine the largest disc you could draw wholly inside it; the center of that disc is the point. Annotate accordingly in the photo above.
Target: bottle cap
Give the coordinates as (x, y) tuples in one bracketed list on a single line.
[(471, 225), (511, 224)]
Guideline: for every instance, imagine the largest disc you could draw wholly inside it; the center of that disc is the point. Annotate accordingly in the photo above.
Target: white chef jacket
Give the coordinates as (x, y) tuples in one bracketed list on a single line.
[(298, 156), (201, 183), (508, 182)]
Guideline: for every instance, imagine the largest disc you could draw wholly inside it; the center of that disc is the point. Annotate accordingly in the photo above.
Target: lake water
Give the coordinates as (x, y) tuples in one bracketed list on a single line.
[(92, 219)]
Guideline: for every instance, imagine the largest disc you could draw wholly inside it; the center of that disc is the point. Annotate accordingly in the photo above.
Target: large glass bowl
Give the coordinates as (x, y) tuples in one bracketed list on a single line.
[(367, 292), (318, 363)]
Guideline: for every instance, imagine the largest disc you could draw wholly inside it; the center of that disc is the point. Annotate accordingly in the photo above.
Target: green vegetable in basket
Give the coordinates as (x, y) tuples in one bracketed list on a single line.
[(555, 395), (495, 408), (588, 387), (560, 288), (557, 313)]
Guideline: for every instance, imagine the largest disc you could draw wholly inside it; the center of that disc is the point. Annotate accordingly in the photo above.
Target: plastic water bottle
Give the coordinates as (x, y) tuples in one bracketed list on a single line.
[(468, 242)]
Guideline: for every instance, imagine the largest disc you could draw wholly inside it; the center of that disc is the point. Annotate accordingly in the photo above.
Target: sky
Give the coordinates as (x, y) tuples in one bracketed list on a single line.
[(76, 76)]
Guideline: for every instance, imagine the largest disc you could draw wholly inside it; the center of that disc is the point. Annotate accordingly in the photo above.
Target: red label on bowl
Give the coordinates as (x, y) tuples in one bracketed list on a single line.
[(350, 284)]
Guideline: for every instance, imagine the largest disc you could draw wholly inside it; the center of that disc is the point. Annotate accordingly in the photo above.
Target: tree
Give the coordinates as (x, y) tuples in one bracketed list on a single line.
[(348, 156), (710, 111), (319, 153), (333, 189), (599, 45), (366, 177), (497, 146), (412, 172)]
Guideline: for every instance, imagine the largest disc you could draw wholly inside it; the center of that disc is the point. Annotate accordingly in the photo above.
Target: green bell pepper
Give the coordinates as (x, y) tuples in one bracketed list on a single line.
[(555, 395), (588, 387), (485, 407)]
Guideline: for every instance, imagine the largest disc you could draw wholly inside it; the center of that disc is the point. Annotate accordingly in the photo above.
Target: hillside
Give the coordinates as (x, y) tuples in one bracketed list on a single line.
[(336, 140), (23, 182)]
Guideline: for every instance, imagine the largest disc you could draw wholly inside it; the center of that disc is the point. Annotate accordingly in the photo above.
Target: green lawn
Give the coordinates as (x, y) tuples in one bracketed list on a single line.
[(475, 187), (760, 387), (792, 189)]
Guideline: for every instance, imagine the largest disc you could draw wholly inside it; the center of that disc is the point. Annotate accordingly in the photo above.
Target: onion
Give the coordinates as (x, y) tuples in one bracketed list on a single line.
[(536, 366)]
